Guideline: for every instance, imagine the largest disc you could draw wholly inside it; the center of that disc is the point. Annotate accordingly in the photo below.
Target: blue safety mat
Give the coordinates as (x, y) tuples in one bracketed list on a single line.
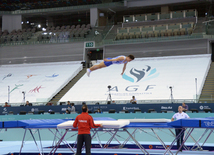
[(10, 124), (104, 119), (52, 123), (207, 123), (41, 123), (148, 125), (190, 122), (1, 124), (176, 124)]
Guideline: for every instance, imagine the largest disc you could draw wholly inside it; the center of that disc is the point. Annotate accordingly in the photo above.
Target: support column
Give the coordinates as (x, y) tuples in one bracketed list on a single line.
[(11, 22), (94, 17)]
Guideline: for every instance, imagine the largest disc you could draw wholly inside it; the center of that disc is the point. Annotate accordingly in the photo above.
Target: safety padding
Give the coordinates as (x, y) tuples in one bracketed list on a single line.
[(11, 124), (147, 125), (176, 124), (160, 120), (207, 123), (40, 123), (104, 118), (190, 122)]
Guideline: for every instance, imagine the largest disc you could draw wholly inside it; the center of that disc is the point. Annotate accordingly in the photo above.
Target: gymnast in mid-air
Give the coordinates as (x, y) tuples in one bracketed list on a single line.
[(109, 61)]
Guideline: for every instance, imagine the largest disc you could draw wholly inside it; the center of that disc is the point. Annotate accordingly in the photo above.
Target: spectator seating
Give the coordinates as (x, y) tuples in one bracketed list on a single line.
[(40, 82), (65, 32), (159, 16), (164, 30), (51, 33), (16, 35), (157, 25)]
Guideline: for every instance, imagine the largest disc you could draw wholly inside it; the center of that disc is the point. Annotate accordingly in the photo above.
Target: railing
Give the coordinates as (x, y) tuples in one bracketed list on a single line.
[(209, 27), (51, 41), (157, 39), (207, 98), (159, 16), (100, 41)]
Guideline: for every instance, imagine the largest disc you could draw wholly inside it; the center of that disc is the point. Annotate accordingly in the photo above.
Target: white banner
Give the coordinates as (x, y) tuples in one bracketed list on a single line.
[(146, 79)]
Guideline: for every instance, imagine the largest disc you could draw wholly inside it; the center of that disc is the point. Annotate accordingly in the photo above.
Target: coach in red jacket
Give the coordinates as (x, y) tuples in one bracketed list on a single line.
[(84, 122)]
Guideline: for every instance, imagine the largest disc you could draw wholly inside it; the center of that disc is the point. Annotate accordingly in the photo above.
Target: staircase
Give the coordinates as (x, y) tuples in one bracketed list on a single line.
[(207, 94), (113, 32), (200, 26), (64, 90)]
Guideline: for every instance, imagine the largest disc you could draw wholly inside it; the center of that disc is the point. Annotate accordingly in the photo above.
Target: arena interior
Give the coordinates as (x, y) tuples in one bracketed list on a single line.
[(46, 47)]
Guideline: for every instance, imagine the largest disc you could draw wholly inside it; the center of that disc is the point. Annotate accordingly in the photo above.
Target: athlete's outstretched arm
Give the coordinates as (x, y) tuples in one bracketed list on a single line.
[(124, 68), (118, 59)]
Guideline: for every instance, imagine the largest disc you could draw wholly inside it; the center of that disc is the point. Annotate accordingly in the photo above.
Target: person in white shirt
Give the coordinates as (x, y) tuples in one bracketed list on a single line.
[(179, 115)]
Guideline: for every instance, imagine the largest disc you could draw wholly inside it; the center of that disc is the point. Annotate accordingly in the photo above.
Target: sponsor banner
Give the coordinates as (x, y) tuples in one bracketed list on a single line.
[(118, 107), (146, 79)]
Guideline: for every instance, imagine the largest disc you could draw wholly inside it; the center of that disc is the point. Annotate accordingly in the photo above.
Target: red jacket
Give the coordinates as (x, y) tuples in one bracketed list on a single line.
[(84, 122)]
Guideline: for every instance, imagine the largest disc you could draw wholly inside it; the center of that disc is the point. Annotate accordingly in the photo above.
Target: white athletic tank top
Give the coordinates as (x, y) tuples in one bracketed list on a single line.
[(119, 62)]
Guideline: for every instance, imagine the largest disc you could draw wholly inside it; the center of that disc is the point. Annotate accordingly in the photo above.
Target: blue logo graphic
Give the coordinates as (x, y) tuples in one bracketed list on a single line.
[(8, 75), (53, 76), (144, 74)]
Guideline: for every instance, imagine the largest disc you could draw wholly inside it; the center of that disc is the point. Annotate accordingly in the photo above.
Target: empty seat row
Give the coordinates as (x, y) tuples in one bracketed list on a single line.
[(160, 16), (157, 33), (18, 32), (68, 27), (79, 32), (156, 27)]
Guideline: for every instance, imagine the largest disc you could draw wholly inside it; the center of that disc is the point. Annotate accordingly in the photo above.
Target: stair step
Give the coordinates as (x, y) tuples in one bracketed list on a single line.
[(67, 87), (208, 88)]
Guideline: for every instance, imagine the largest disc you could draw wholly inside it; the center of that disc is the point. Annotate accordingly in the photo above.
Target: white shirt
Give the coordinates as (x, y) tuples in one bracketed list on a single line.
[(178, 115)]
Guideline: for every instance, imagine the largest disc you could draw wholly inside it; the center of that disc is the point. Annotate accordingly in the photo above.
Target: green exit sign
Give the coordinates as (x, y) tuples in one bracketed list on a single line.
[(89, 44)]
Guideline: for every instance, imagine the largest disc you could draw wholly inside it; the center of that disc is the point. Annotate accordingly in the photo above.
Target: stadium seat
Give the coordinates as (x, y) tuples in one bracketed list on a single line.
[(150, 110), (10, 113), (169, 32), (156, 33), (208, 110), (176, 32), (30, 113), (139, 18), (111, 111), (182, 31), (194, 110), (132, 35), (163, 33), (41, 112), (137, 111), (22, 113)]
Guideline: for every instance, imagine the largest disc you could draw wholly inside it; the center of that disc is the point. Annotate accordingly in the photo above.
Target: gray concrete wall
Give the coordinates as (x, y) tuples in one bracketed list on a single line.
[(94, 16), (41, 53), (156, 49), (74, 51)]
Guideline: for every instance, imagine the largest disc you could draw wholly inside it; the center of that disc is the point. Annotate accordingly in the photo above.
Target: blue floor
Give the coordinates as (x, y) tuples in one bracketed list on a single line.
[(13, 148)]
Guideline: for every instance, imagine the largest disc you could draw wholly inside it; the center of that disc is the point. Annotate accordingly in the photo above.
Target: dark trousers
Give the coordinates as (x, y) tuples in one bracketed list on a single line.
[(84, 138), (180, 139)]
